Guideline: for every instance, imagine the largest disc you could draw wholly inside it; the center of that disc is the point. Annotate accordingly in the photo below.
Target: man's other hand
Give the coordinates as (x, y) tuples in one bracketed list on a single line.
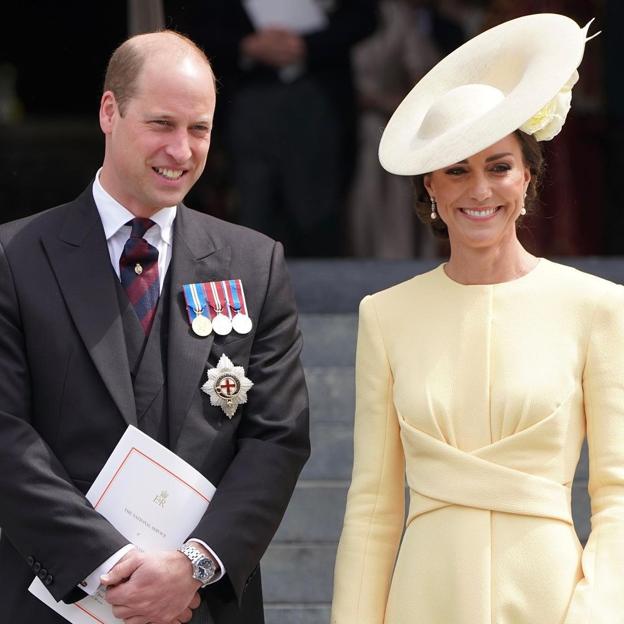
[(155, 587), (275, 47)]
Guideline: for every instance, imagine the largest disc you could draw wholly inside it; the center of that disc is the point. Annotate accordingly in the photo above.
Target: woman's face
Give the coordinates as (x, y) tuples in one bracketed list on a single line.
[(480, 198)]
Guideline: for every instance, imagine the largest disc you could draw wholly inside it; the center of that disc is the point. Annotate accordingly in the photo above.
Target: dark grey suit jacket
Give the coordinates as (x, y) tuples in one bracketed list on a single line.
[(66, 398)]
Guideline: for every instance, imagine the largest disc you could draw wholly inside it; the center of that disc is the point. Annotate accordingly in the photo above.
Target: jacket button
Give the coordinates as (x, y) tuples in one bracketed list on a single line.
[(48, 580), (36, 567), (42, 574), (30, 561)]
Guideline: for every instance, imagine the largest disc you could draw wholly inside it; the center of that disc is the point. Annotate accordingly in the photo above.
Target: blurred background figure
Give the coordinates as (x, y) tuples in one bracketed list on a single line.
[(409, 39), (572, 217), (287, 109), (291, 137)]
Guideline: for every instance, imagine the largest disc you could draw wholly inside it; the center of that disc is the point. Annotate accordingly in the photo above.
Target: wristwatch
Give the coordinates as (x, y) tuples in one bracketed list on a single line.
[(204, 568)]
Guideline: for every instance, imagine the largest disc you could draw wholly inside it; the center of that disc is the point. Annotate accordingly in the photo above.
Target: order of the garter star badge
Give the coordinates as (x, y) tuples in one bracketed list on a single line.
[(227, 386)]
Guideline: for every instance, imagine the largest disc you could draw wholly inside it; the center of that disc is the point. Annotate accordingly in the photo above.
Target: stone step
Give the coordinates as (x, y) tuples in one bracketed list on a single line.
[(315, 513), (332, 394), (297, 614), (328, 339), (298, 573), (325, 286), (332, 452)]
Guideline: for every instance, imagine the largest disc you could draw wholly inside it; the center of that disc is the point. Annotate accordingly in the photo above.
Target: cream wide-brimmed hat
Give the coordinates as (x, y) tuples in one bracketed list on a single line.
[(517, 75)]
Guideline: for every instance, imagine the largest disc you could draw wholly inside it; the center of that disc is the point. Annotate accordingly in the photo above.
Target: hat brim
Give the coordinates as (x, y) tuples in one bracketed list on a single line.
[(528, 59)]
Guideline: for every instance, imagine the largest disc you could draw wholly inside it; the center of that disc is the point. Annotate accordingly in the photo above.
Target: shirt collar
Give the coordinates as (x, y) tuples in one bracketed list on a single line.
[(114, 216)]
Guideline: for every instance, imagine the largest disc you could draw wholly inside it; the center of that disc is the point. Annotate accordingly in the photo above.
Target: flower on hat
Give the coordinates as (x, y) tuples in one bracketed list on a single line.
[(548, 121)]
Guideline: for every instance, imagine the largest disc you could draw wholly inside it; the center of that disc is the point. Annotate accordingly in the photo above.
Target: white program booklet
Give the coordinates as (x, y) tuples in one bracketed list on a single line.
[(300, 16), (152, 497)]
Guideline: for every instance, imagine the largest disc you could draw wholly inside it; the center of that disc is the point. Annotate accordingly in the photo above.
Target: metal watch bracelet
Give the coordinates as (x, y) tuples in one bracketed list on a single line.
[(204, 567)]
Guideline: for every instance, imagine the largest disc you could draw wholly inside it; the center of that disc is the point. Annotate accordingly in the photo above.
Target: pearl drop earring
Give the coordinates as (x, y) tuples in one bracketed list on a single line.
[(523, 209), (434, 209)]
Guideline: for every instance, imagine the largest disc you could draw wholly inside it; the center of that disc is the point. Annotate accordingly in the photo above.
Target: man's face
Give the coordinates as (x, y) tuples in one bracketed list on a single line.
[(157, 150)]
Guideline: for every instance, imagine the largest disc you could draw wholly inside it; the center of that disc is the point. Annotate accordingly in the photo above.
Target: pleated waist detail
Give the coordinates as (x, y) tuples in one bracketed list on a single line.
[(500, 477)]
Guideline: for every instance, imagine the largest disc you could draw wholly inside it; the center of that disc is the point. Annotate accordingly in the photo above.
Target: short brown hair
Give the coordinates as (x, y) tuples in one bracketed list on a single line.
[(126, 63), (533, 158)]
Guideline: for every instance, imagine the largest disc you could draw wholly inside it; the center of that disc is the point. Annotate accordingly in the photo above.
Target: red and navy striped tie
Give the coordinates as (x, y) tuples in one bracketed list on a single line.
[(138, 270)]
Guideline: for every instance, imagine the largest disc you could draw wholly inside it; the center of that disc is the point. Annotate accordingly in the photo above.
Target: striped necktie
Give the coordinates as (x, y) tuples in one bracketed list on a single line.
[(138, 270)]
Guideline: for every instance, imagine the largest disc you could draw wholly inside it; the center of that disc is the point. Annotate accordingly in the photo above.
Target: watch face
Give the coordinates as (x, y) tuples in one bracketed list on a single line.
[(205, 569)]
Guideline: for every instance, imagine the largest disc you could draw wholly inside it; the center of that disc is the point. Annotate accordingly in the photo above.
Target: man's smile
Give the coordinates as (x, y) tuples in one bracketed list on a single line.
[(169, 174)]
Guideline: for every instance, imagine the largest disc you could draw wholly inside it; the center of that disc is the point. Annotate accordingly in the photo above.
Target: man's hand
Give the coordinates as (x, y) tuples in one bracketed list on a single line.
[(275, 47), (156, 588)]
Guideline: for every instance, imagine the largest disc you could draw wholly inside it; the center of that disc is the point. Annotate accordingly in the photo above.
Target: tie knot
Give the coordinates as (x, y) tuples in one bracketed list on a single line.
[(139, 226)]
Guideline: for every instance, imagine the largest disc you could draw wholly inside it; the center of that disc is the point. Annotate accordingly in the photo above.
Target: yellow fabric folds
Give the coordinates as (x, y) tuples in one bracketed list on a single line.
[(480, 397), (441, 475)]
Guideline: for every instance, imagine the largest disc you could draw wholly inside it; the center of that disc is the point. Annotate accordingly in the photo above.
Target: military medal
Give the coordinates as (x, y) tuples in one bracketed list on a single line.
[(221, 324), (240, 322), (196, 306), (201, 325), (217, 306), (227, 386)]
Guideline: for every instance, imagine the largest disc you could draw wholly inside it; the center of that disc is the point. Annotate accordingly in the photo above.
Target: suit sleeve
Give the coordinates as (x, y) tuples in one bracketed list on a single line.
[(272, 443), (46, 519), (375, 504), (598, 597)]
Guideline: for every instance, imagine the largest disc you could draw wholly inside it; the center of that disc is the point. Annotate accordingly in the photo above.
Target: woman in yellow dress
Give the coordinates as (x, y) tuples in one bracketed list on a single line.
[(477, 382)]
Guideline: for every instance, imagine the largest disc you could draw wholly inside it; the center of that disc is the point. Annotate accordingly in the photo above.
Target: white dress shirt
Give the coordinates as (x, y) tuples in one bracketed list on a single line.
[(114, 218)]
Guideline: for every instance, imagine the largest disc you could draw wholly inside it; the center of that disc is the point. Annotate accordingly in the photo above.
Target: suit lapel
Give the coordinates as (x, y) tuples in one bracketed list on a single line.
[(81, 262), (196, 258)]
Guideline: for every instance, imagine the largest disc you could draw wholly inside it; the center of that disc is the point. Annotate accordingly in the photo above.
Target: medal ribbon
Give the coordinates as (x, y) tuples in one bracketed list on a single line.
[(223, 296), (238, 296), (234, 295), (195, 300), (216, 305)]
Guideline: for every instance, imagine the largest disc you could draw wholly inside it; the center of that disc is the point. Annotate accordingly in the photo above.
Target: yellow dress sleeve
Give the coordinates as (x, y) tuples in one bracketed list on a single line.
[(599, 596), (374, 515)]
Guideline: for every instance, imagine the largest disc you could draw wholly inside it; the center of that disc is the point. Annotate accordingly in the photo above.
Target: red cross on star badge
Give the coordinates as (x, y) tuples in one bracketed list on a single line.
[(227, 386)]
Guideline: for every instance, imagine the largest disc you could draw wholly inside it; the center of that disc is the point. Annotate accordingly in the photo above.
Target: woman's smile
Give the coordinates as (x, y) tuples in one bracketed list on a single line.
[(480, 214)]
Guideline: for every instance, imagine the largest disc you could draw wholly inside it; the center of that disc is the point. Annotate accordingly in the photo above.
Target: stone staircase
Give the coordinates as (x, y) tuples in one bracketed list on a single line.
[(298, 567)]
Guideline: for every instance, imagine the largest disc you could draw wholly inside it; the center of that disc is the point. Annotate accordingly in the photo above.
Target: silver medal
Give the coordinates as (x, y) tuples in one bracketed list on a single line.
[(201, 325), (241, 323), (221, 324)]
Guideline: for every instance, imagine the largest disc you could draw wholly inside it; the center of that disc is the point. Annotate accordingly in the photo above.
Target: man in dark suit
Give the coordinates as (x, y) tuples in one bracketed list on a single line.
[(82, 355), (287, 113)]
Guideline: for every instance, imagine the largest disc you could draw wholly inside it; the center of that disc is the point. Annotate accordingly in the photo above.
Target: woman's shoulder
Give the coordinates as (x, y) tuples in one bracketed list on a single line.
[(403, 292), (579, 284), (578, 295)]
